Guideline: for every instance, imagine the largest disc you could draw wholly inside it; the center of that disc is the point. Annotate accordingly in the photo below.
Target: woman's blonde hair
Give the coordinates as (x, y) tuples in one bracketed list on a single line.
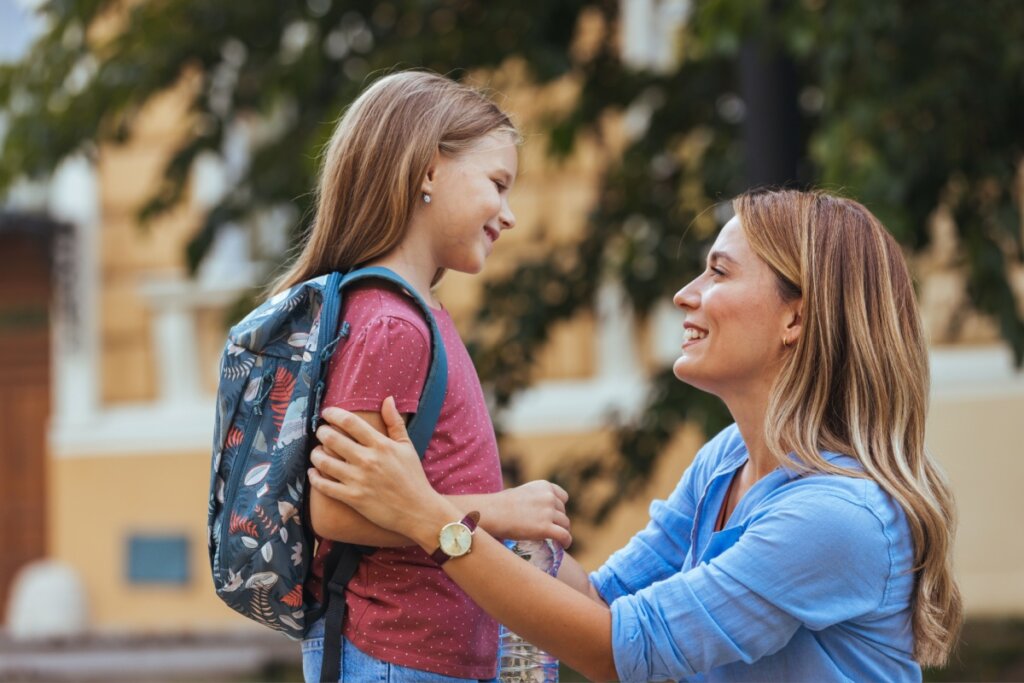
[(376, 160), (856, 381)]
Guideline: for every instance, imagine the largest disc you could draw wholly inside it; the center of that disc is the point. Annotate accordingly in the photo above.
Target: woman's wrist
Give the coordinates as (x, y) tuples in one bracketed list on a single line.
[(429, 520)]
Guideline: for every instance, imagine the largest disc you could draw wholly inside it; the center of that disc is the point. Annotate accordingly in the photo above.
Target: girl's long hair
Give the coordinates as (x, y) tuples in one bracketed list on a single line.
[(856, 381), (376, 160)]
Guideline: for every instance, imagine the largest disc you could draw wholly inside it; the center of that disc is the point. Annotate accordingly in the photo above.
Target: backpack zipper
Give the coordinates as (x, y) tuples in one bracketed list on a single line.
[(243, 453)]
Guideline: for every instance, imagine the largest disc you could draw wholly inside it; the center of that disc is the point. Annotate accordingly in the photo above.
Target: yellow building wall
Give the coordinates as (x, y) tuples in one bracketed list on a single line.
[(128, 174), (979, 440), (97, 503)]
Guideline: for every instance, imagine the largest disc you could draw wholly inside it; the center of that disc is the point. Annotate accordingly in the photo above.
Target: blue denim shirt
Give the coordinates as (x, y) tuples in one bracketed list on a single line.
[(809, 580)]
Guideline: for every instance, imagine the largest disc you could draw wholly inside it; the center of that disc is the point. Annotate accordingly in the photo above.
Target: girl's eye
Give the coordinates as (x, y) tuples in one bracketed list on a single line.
[(499, 185), (716, 270)]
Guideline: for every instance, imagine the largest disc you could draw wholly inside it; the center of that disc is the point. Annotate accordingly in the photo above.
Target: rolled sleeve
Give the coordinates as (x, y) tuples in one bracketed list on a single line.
[(692, 623)]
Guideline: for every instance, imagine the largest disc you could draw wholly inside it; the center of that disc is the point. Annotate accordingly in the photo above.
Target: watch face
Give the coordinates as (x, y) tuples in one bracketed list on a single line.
[(456, 539)]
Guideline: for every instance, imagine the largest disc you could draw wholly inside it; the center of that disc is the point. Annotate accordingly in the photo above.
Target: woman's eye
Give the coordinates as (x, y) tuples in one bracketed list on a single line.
[(499, 185)]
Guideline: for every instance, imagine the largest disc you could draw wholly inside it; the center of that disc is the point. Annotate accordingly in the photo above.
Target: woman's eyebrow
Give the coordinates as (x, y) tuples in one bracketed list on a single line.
[(719, 255)]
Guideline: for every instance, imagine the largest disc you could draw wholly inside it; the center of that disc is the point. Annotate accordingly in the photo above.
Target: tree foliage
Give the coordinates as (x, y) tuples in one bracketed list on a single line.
[(903, 105)]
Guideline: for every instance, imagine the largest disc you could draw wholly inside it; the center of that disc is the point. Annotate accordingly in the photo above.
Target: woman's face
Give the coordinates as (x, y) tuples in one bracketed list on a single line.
[(736, 320)]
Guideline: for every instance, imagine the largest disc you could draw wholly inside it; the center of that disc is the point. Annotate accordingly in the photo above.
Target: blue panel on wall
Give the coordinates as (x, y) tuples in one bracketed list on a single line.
[(156, 559)]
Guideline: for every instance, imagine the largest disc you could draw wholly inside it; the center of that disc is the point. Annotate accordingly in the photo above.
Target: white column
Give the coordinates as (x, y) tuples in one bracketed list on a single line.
[(74, 199), (650, 32), (616, 333)]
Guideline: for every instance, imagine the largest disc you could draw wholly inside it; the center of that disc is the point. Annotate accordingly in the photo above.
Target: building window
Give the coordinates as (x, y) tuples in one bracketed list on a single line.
[(158, 559)]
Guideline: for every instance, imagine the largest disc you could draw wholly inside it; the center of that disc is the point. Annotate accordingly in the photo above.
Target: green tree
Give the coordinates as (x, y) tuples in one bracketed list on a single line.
[(904, 105), (294, 64)]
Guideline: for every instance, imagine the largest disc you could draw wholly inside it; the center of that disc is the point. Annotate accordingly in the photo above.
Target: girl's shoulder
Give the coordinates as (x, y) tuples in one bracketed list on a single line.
[(366, 303)]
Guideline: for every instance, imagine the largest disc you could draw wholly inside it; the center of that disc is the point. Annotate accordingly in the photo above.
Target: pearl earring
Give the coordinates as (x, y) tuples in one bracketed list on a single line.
[(426, 198)]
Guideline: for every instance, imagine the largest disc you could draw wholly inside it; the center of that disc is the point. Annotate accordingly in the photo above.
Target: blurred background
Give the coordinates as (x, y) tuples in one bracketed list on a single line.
[(156, 165)]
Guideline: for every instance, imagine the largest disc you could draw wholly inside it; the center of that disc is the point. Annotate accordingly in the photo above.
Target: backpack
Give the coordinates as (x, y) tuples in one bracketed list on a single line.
[(272, 377)]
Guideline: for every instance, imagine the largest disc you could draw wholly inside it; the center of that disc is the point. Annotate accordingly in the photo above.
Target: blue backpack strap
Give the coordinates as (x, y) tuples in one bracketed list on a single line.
[(343, 560), (421, 426)]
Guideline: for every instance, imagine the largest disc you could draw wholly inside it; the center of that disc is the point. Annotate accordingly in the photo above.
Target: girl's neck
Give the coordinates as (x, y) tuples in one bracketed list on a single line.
[(416, 266)]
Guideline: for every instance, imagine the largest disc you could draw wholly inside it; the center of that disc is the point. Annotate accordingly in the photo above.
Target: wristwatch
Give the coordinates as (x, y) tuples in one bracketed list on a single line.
[(456, 539)]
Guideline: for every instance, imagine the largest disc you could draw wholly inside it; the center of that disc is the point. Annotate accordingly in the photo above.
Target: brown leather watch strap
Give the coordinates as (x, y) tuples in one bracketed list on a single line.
[(470, 521)]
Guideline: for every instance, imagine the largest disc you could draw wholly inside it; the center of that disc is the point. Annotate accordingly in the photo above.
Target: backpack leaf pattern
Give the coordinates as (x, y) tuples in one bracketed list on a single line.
[(271, 374), (281, 394), (260, 550)]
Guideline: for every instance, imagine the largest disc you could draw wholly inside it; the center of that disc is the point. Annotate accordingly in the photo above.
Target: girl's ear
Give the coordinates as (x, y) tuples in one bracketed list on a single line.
[(427, 186)]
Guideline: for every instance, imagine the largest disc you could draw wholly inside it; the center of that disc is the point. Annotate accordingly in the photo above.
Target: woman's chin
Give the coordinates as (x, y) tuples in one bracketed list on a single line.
[(685, 371)]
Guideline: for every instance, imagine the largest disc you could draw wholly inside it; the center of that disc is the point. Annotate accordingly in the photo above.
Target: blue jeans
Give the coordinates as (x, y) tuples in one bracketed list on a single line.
[(359, 667)]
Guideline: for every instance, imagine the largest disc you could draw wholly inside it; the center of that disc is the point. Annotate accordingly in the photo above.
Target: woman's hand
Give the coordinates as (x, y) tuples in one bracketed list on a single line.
[(533, 511), (381, 477)]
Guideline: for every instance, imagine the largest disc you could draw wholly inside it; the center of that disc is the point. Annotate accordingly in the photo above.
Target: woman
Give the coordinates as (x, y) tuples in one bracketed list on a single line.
[(811, 540)]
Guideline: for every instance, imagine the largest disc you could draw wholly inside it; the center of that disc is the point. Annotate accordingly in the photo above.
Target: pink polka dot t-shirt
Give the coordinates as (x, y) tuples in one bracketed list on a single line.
[(402, 608)]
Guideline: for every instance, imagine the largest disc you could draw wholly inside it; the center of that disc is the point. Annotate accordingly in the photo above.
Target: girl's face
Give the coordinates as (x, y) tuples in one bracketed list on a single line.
[(736, 321), (468, 207)]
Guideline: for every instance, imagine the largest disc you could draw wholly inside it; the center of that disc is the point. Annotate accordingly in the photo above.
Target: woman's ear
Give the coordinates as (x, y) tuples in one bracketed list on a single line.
[(794, 323)]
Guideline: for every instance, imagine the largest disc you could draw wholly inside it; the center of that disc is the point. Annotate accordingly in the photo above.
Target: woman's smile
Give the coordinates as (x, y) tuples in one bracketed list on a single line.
[(693, 334)]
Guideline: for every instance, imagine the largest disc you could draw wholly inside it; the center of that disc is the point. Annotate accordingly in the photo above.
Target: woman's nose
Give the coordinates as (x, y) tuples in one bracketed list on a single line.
[(687, 297)]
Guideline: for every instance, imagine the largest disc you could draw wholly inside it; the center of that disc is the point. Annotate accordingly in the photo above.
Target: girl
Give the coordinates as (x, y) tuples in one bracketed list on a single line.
[(416, 178), (811, 540)]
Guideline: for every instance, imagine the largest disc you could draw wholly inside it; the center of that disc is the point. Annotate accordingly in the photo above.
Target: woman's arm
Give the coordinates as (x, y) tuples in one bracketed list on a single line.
[(545, 611), (742, 604), (533, 511)]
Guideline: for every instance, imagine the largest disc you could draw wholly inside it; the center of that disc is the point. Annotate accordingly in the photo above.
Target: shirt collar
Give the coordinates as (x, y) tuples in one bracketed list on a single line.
[(738, 455)]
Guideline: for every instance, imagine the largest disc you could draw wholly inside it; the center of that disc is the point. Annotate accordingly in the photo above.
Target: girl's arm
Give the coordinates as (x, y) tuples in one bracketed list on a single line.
[(572, 574), (533, 511), (543, 610)]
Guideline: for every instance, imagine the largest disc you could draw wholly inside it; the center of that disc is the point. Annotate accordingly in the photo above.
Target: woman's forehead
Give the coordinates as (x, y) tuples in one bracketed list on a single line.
[(731, 239)]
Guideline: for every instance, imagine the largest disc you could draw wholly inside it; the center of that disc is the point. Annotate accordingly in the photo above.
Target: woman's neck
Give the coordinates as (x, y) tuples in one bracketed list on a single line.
[(749, 409)]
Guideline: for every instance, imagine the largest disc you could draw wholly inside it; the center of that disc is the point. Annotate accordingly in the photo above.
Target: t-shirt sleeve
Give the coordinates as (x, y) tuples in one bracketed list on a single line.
[(388, 357), (813, 561)]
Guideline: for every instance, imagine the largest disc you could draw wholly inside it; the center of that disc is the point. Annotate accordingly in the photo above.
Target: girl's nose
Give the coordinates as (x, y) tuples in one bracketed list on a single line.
[(507, 218)]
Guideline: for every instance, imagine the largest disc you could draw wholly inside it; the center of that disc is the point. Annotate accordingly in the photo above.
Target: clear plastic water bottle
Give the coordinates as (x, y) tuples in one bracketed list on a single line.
[(520, 661)]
